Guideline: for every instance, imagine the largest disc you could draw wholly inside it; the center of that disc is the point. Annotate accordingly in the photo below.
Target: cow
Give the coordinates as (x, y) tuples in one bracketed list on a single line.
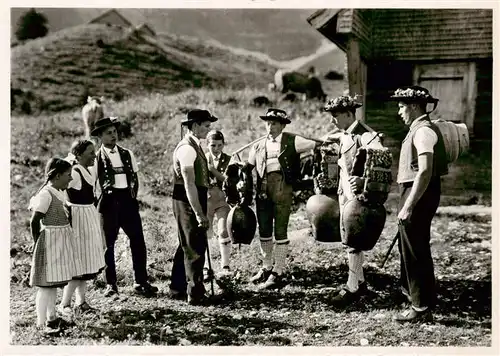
[(297, 82), (91, 112)]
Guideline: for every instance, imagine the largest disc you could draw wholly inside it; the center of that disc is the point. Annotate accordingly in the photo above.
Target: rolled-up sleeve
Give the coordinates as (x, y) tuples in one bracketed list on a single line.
[(303, 144), (251, 156)]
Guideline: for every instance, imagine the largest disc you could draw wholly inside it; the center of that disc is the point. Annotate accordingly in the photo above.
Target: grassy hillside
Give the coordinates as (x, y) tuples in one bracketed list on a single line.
[(56, 72), (281, 33), (299, 315)]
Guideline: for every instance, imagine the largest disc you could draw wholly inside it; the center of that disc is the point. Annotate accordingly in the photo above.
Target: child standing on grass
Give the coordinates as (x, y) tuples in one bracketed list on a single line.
[(90, 244), (54, 262), (217, 207)]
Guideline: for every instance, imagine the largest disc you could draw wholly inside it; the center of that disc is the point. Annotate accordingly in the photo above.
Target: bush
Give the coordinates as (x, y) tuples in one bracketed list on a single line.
[(31, 25)]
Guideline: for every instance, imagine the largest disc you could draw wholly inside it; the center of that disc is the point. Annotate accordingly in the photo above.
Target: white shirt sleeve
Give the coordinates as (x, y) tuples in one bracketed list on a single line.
[(76, 182), (135, 167), (41, 201), (303, 144), (186, 156), (251, 156), (424, 140)]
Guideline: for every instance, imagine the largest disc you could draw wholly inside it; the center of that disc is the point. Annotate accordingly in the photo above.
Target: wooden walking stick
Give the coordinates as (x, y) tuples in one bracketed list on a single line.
[(390, 250), (210, 270)]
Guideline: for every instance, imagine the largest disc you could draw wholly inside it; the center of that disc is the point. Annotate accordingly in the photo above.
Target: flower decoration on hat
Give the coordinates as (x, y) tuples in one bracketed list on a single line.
[(343, 103), (412, 94)]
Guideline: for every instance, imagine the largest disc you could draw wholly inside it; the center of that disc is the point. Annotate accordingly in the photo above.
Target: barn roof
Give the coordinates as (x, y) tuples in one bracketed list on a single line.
[(410, 34), (107, 12)]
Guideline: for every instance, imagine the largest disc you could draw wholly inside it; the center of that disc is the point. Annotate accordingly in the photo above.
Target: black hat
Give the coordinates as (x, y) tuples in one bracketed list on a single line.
[(276, 115), (413, 94), (103, 123), (198, 115)]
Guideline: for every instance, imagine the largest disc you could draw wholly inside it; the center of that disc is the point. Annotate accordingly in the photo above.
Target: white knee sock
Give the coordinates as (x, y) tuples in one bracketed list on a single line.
[(355, 264), (81, 289), (51, 305), (41, 302), (225, 252), (361, 276), (281, 251), (68, 291), (266, 249)]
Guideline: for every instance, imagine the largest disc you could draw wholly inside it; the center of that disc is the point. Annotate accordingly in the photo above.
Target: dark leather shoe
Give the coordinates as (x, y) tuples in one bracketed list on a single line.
[(111, 290), (414, 316), (261, 276), (202, 300), (145, 289), (345, 297), (274, 280)]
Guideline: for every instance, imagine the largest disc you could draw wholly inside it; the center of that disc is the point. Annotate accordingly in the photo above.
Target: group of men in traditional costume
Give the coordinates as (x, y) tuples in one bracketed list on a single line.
[(276, 160)]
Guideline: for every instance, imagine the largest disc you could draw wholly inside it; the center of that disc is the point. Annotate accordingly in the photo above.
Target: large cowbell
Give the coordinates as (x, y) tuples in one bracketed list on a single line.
[(363, 223), (324, 215), (323, 208), (241, 221), (241, 224), (363, 218)]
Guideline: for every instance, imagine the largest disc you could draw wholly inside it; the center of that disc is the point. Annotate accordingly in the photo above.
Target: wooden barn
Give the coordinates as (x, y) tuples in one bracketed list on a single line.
[(115, 18), (448, 51)]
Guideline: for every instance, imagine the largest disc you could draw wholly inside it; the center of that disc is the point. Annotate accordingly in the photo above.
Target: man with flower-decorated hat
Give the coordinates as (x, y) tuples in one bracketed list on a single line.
[(277, 162), (343, 113), (422, 162)]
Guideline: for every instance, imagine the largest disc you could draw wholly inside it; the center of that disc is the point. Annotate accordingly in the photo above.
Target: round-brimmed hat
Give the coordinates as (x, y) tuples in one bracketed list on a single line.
[(413, 94), (276, 115), (198, 115), (342, 103), (103, 123)]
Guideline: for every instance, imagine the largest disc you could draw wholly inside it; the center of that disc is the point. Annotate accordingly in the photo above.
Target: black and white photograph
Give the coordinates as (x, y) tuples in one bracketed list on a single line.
[(252, 177)]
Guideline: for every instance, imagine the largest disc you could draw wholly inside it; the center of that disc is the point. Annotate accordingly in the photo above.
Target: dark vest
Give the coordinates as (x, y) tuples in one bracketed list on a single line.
[(200, 173), (288, 158), (84, 196), (408, 160), (221, 167), (107, 172)]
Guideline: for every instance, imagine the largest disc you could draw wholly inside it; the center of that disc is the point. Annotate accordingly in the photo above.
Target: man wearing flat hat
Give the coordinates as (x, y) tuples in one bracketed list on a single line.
[(116, 169), (189, 197), (277, 162), (422, 162)]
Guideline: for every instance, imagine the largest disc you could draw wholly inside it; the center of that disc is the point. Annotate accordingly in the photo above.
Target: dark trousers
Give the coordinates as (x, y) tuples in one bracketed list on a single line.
[(120, 210), (417, 269), (187, 274)]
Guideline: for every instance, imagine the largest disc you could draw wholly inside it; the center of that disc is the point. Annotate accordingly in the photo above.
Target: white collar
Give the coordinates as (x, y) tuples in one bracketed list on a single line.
[(108, 150), (276, 139), (87, 175), (418, 118), (216, 157), (58, 193)]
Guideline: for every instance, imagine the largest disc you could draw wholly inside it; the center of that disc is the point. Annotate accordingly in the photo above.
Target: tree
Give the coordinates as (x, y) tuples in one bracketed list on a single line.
[(31, 25)]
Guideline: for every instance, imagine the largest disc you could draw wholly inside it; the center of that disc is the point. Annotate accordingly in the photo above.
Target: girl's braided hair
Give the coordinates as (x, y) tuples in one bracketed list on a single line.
[(54, 167)]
